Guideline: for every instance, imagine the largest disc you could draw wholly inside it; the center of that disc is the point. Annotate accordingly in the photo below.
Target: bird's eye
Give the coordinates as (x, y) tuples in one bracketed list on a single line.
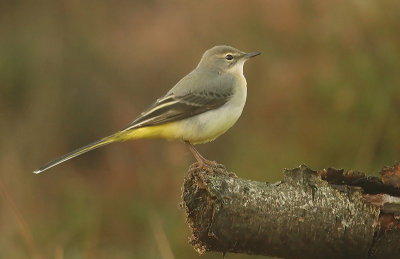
[(229, 57)]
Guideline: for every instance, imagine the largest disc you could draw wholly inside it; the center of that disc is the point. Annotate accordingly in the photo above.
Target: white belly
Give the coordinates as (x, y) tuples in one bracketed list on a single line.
[(207, 126)]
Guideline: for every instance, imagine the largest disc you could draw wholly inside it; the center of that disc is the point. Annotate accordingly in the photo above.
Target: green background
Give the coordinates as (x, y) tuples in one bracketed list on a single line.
[(324, 92)]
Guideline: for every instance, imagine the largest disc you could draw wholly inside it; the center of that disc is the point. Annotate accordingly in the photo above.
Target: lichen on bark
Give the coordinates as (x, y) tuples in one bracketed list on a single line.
[(302, 216)]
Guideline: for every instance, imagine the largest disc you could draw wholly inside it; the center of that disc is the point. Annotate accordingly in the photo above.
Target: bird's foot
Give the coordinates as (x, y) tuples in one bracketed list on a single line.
[(207, 165), (203, 163)]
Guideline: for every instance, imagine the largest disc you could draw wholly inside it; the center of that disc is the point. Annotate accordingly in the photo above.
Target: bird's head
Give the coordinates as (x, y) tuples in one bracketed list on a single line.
[(226, 59)]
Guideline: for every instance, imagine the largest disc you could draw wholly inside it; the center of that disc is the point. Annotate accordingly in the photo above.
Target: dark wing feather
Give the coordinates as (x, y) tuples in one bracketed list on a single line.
[(172, 108)]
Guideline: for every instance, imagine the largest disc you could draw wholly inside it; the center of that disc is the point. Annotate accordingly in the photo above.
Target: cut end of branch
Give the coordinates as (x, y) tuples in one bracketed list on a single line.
[(198, 205)]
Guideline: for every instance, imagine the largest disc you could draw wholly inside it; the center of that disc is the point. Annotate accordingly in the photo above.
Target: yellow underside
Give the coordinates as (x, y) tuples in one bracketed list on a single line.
[(172, 130), (167, 131)]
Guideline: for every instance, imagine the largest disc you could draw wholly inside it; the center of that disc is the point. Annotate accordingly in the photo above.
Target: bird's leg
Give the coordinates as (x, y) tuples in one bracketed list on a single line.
[(203, 163)]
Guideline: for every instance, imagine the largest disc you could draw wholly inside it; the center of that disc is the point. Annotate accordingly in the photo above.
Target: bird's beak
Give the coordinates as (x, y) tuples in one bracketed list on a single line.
[(251, 54)]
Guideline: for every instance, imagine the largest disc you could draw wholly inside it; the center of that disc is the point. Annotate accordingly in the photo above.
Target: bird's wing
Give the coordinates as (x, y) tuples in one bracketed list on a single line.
[(173, 107)]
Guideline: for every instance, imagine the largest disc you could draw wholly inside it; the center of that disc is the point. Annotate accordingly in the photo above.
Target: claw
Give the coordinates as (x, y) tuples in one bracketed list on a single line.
[(203, 163)]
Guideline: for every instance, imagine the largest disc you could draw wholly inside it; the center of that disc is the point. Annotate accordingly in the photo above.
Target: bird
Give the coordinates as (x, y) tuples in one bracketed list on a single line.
[(202, 106)]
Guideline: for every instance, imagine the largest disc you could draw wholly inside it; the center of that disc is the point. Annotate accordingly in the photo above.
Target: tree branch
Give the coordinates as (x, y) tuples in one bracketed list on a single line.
[(326, 213)]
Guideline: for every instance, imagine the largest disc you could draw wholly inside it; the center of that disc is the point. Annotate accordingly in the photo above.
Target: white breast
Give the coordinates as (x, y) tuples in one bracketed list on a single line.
[(207, 126)]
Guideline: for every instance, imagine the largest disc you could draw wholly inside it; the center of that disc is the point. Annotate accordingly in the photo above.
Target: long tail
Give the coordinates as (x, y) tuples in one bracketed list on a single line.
[(79, 151), (164, 131)]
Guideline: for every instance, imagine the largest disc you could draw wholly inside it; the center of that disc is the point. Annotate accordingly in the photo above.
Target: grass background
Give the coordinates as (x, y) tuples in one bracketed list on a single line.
[(324, 92)]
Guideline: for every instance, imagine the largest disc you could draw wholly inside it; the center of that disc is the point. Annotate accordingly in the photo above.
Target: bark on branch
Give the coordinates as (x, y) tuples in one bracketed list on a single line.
[(326, 213)]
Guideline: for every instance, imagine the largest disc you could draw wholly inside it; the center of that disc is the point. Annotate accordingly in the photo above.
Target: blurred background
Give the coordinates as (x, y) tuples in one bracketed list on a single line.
[(324, 92)]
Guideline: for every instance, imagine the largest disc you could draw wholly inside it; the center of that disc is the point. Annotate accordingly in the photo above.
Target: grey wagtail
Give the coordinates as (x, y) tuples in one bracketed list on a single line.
[(199, 108)]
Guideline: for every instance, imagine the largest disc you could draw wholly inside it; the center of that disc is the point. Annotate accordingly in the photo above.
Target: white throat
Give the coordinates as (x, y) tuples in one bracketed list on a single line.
[(237, 69)]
